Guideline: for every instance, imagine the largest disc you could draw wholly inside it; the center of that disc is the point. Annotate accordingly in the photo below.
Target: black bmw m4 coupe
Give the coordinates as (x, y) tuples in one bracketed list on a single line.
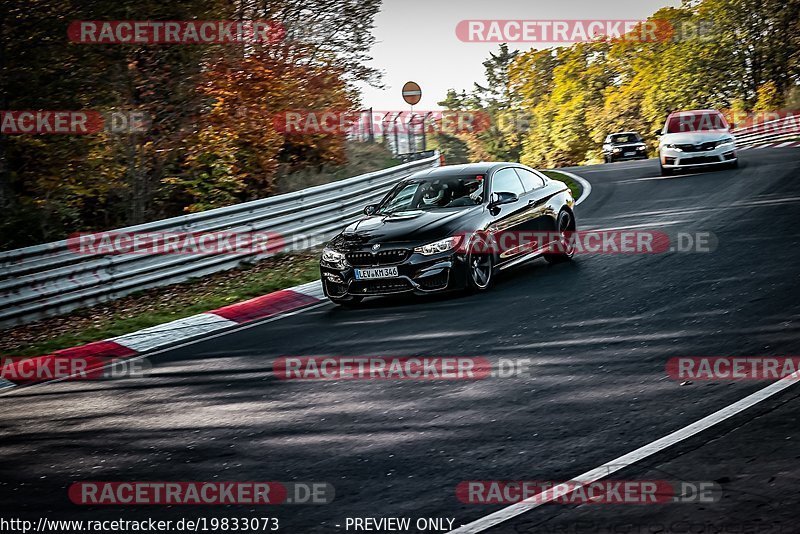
[(450, 228)]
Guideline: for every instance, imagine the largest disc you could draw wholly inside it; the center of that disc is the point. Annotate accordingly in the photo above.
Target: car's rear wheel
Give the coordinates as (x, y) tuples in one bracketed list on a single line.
[(350, 301), (480, 265), (565, 246)]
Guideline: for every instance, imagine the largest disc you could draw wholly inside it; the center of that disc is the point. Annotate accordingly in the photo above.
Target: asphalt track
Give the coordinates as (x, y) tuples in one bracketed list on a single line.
[(599, 332)]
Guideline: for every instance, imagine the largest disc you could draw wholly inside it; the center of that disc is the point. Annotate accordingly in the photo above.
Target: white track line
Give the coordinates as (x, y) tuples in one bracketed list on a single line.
[(626, 460), (587, 187)]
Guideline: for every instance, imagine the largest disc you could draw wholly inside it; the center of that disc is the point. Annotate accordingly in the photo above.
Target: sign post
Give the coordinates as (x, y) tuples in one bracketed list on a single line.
[(412, 94)]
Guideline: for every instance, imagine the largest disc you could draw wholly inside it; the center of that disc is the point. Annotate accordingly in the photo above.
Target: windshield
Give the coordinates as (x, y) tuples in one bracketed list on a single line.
[(696, 122), (625, 138), (435, 192)]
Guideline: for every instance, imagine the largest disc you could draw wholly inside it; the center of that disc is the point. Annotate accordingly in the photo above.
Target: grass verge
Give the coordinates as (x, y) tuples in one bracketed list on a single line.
[(576, 189), (159, 305)]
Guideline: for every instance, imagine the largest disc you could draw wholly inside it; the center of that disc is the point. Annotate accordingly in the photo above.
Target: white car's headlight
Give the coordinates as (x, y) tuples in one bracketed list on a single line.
[(443, 245), (672, 146), (726, 141), (334, 258)]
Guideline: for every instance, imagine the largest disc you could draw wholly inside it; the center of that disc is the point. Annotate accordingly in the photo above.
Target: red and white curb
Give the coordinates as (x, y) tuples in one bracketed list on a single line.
[(782, 144), (100, 353)]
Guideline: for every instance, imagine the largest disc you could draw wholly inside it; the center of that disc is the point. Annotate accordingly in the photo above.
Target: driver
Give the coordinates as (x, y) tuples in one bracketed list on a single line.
[(434, 195)]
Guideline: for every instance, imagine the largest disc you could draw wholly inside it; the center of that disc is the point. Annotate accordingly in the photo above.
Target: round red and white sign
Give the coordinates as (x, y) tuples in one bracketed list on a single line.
[(412, 93)]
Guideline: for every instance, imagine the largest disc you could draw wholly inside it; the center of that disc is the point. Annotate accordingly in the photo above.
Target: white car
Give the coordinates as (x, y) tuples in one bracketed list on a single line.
[(696, 138)]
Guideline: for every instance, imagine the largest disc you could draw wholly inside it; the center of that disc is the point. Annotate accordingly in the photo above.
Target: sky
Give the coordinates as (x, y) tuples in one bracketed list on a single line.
[(417, 41)]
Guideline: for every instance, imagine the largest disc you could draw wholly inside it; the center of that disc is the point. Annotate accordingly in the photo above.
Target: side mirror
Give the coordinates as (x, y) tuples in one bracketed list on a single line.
[(657, 133), (370, 209), (498, 199)]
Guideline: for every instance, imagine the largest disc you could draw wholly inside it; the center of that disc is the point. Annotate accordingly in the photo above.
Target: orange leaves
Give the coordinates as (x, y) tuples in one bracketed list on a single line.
[(236, 150)]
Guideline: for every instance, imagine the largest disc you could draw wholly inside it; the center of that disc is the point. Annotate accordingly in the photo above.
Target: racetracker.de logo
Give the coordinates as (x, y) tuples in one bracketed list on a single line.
[(388, 123), (200, 493), (16, 122), (562, 31), (733, 368), (381, 368), (506, 243), (598, 492), (56, 367), (175, 243), (510, 242), (175, 31)]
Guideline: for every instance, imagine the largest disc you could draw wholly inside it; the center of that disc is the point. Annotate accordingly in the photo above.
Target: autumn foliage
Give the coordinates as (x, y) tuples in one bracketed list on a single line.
[(211, 139)]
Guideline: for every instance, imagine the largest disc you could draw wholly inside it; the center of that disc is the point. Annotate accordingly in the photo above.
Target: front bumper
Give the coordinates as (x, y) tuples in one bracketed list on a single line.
[(620, 156), (672, 158), (417, 274)]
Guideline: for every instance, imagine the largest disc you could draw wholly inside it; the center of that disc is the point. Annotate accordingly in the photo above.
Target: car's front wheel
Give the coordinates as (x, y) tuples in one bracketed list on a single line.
[(480, 265)]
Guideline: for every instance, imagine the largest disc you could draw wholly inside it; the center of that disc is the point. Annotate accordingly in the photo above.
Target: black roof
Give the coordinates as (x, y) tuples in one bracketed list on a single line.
[(483, 167)]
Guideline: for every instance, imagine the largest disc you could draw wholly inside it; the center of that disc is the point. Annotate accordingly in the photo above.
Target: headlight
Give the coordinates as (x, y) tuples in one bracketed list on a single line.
[(442, 245), (640, 147), (672, 146), (616, 149), (334, 258), (726, 141)]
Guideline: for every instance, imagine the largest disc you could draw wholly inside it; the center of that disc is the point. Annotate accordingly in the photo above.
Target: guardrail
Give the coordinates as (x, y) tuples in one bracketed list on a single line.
[(51, 279), (414, 156), (768, 132)]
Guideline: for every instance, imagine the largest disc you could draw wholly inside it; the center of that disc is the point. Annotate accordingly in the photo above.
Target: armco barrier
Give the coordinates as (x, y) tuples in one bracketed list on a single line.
[(768, 132), (50, 279)]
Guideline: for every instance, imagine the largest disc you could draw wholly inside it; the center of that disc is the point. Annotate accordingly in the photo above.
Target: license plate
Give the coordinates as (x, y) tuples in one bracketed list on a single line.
[(377, 272), (629, 153)]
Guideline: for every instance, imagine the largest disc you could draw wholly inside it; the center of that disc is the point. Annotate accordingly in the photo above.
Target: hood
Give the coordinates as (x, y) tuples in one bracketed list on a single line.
[(694, 137), (408, 226)]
